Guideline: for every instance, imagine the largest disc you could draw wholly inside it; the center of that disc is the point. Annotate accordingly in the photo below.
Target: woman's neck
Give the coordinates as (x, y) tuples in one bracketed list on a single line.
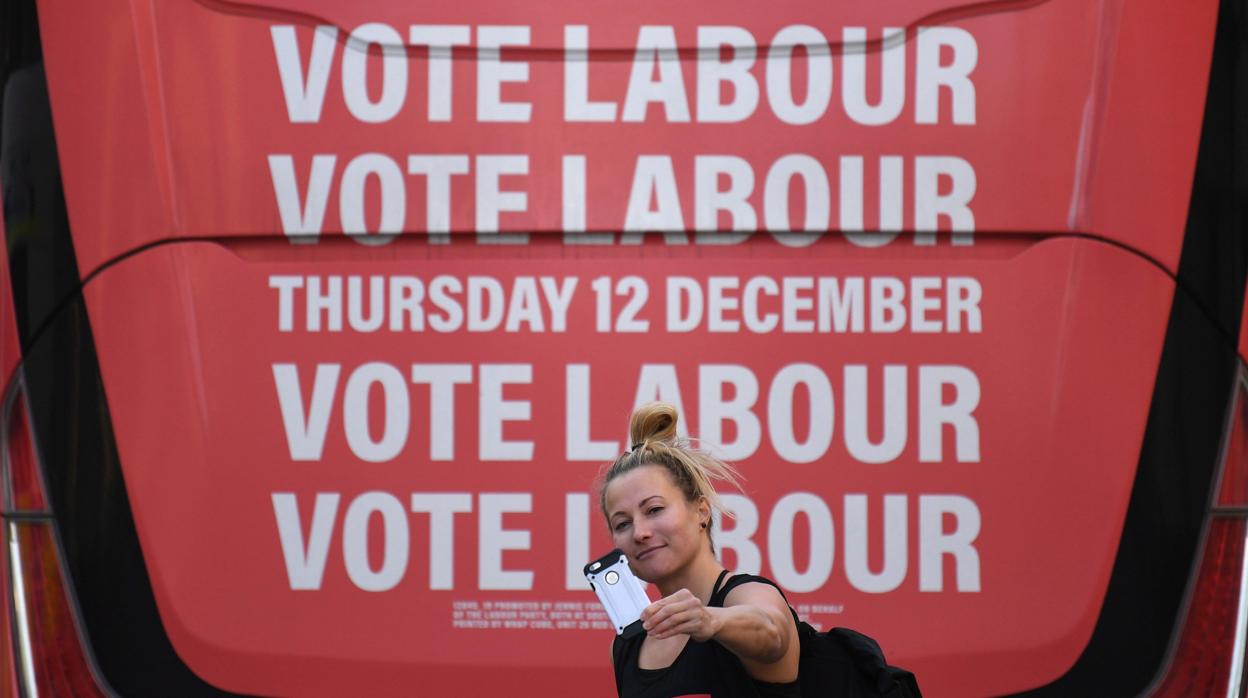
[(698, 577)]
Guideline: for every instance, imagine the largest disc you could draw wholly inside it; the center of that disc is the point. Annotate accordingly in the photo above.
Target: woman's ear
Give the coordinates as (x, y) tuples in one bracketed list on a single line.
[(704, 512)]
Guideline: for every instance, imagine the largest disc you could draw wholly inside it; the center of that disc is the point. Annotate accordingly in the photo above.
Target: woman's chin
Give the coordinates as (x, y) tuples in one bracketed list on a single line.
[(650, 571)]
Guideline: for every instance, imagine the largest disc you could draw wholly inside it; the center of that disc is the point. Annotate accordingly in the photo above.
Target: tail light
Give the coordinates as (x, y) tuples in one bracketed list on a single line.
[(49, 655), (1208, 658)]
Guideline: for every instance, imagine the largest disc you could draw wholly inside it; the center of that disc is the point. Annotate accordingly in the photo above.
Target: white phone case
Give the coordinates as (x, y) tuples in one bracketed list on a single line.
[(622, 594)]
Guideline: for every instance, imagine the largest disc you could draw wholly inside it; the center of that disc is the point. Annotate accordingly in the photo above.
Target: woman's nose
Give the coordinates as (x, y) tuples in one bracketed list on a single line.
[(641, 532)]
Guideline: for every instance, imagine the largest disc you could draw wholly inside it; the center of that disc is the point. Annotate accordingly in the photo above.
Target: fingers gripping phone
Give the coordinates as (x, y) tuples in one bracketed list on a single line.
[(622, 594)]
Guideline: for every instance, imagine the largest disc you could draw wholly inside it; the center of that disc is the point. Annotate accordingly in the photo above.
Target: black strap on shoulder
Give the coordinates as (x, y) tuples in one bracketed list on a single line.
[(715, 589), (718, 594)]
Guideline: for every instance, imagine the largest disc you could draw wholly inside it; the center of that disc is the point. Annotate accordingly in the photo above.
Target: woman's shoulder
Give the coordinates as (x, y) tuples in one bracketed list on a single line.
[(750, 584), (738, 578)]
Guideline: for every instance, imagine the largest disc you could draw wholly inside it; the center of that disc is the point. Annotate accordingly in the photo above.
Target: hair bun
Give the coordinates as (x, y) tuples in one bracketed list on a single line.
[(655, 421), (652, 431)]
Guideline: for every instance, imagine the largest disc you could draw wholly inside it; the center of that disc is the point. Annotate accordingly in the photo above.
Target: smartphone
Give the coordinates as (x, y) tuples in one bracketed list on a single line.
[(622, 594)]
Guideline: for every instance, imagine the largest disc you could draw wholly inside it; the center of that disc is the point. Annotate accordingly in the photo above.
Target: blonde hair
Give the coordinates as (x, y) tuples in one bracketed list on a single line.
[(652, 433)]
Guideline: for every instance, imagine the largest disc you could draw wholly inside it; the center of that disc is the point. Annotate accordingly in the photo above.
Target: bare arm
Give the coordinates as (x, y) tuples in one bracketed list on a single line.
[(754, 624)]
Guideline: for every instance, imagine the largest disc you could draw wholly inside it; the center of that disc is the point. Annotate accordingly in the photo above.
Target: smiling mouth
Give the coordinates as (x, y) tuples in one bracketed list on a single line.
[(645, 553)]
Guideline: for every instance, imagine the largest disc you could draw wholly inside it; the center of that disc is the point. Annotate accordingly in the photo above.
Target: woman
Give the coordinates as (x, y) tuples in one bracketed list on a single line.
[(658, 500)]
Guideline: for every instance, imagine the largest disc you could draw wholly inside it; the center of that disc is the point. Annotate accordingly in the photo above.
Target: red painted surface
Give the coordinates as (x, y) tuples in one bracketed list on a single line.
[(186, 110), (1243, 338), (10, 357), (10, 345), (1059, 432), (186, 101)]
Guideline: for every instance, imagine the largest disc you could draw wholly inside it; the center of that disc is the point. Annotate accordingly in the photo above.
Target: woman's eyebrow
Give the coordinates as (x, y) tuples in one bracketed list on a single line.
[(642, 503)]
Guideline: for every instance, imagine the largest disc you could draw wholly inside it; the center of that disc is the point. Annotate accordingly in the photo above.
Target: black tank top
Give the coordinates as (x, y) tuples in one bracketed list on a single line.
[(701, 670)]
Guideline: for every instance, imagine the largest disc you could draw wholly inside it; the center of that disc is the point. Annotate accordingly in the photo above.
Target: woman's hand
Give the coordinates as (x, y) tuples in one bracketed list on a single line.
[(681, 613)]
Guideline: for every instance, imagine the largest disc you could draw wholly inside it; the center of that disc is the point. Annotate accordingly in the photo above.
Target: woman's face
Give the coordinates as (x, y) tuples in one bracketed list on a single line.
[(652, 523)]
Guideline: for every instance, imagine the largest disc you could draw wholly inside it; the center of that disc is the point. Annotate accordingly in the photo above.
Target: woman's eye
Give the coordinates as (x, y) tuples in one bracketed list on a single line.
[(654, 510), (621, 525)]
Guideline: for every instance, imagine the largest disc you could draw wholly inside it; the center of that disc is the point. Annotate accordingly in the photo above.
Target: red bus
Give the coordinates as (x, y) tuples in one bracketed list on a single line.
[(321, 318)]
